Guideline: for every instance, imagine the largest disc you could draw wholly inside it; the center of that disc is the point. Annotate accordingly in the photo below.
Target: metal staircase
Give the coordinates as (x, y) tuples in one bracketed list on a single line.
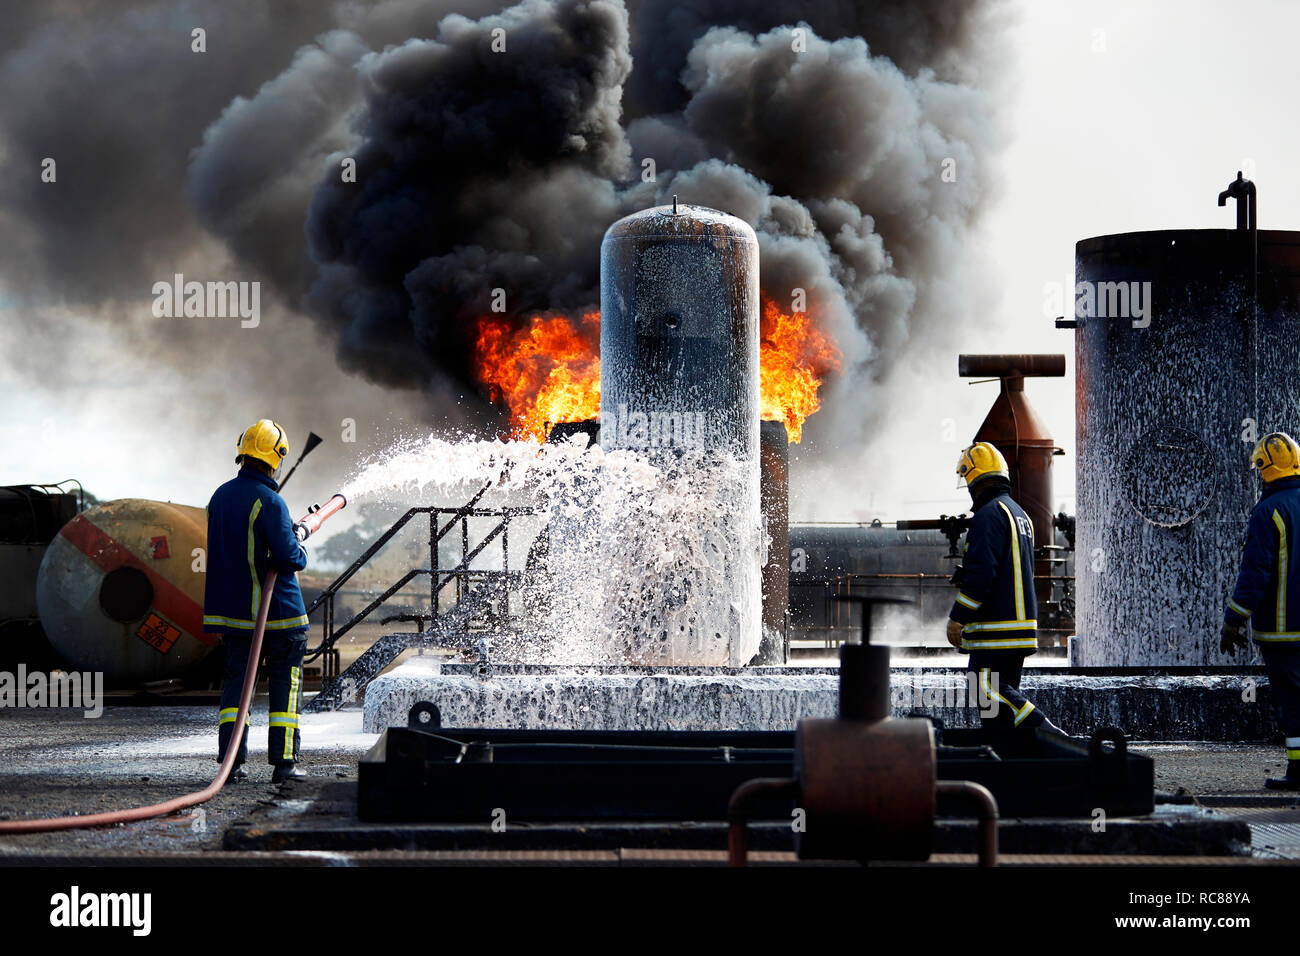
[(479, 603)]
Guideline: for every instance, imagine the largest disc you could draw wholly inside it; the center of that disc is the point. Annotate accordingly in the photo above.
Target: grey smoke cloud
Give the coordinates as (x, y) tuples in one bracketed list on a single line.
[(114, 94), (948, 39)]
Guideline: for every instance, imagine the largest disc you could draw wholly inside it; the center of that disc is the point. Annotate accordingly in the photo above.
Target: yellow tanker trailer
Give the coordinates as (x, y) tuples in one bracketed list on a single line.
[(120, 590)]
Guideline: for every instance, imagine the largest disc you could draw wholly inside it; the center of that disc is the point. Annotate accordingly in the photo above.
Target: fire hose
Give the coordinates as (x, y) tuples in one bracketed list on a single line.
[(309, 524)]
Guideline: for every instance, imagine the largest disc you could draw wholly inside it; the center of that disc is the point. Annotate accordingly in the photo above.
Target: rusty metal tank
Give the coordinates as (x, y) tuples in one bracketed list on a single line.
[(679, 366), (120, 590), (1187, 344)]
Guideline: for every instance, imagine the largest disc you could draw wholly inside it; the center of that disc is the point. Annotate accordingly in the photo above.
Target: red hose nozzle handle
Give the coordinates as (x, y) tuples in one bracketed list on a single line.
[(310, 523)]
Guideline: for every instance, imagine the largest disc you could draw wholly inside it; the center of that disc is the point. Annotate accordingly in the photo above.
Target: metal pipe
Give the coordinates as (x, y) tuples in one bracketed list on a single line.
[(774, 503), (987, 808), (738, 812), (1242, 190), (998, 366)]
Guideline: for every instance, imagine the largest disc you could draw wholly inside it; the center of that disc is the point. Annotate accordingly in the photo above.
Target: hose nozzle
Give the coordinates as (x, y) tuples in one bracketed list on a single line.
[(310, 523)]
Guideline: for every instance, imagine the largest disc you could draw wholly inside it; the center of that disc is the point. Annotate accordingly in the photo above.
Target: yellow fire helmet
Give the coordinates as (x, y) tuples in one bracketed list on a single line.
[(1276, 456), (266, 441), (979, 461)]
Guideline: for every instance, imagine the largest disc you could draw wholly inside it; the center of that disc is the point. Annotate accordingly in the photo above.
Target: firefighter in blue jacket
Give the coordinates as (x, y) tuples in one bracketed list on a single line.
[(995, 614), (249, 530), (1268, 589)]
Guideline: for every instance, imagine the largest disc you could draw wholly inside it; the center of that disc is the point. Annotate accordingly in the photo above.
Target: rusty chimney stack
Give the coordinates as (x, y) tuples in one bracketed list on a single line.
[(1014, 428)]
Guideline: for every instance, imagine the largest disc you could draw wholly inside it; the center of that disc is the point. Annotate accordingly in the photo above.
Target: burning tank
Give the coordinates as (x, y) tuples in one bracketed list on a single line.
[(679, 362)]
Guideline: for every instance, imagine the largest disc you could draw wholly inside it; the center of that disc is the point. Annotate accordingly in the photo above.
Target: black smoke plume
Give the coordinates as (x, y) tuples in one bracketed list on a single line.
[(857, 138)]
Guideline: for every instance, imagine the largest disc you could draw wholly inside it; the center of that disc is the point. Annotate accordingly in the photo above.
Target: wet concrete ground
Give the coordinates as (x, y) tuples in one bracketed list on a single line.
[(54, 762), (1215, 768)]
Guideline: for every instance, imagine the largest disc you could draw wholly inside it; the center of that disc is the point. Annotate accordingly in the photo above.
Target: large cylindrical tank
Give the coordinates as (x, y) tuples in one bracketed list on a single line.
[(120, 590), (1182, 362), (873, 561), (679, 383)]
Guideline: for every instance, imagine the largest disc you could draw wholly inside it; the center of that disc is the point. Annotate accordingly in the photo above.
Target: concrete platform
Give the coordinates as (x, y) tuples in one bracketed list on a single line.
[(55, 761), (1228, 704), (323, 819)]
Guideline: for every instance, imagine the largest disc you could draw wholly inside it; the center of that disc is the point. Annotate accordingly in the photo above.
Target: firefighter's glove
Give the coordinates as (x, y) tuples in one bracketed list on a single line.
[(1232, 638), (954, 633)]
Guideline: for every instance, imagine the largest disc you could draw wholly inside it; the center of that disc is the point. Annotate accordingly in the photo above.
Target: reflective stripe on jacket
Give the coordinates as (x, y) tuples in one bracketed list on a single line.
[(249, 527), (1268, 585), (996, 603)]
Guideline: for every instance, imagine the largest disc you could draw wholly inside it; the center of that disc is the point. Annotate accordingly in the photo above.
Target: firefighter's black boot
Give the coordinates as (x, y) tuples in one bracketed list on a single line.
[(1290, 782), (1047, 727), (284, 772)]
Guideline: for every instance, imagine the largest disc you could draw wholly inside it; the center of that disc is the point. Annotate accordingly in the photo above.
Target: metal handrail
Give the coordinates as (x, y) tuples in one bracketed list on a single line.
[(440, 577), (384, 538)]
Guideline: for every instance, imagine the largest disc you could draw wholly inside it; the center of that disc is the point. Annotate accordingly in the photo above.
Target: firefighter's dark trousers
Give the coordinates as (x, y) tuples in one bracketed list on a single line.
[(1004, 711), (283, 652), (1283, 663)]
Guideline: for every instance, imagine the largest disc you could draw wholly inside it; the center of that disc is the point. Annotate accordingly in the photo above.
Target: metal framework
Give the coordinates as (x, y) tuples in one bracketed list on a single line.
[(476, 590), (428, 772)]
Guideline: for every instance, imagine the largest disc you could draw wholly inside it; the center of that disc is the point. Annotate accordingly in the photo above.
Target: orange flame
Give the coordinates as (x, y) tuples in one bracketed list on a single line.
[(547, 370), (795, 356)]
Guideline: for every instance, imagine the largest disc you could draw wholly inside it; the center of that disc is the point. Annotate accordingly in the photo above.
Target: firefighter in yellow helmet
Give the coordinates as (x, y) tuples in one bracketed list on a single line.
[(1268, 589), (249, 531), (995, 614)]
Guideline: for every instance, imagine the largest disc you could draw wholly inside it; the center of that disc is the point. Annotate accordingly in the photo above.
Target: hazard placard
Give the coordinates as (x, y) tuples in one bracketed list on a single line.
[(157, 633)]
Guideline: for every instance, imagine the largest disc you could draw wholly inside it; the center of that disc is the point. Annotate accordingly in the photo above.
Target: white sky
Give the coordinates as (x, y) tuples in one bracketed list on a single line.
[(1142, 134)]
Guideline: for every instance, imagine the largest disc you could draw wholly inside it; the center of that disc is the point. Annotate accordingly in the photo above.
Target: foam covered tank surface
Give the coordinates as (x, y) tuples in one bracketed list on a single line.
[(1169, 404), (679, 383)]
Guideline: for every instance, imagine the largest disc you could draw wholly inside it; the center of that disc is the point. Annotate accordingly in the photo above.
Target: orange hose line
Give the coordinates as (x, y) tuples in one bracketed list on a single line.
[(190, 799)]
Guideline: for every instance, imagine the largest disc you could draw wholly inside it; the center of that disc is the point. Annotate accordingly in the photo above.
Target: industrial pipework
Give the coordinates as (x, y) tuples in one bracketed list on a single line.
[(1242, 190), (867, 782), (1014, 428)]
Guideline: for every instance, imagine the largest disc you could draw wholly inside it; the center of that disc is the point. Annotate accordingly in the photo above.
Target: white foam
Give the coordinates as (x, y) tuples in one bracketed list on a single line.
[(337, 730), (642, 561)]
